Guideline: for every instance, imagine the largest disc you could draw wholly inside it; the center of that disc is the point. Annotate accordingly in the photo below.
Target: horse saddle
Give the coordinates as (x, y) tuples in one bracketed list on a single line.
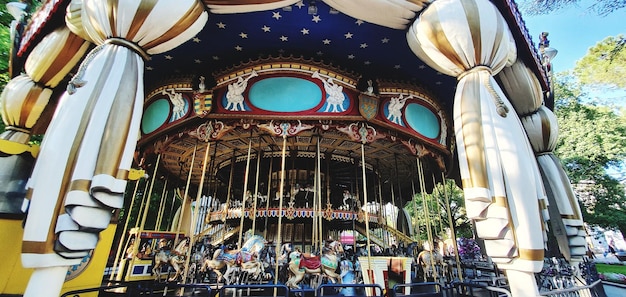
[(313, 262)]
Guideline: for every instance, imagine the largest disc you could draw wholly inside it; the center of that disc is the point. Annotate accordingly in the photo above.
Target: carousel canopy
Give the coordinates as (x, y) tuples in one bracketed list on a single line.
[(366, 40)]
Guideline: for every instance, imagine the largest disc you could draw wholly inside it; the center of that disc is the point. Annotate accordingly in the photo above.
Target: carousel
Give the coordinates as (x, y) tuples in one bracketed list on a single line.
[(279, 142)]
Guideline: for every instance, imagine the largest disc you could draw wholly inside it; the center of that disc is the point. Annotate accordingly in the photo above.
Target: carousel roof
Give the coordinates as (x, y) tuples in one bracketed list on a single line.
[(310, 29)]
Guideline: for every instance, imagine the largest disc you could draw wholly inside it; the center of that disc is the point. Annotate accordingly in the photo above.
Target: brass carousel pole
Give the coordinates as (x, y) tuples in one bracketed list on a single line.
[(149, 194), (269, 188), (429, 230), (159, 219), (170, 223), (145, 211), (123, 238), (318, 199), (245, 192), (280, 207), (439, 208), (317, 192), (256, 188), (321, 207), (230, 186), (194, 217), (182, 206), (394, 217), (417, 223), (142, 205), (367, 217), (452, 231), (382, 208)]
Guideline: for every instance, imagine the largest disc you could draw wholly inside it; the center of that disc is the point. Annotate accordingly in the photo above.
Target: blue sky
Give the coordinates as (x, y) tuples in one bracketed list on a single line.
[(574, 30)]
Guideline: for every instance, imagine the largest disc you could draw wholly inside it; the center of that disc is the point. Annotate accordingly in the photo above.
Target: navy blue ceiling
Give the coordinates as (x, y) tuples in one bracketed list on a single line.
[(328, 36)]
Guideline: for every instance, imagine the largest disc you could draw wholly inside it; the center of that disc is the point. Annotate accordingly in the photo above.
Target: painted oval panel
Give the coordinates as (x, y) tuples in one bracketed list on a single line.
[(155, 115), (285, 94), (422, 120)]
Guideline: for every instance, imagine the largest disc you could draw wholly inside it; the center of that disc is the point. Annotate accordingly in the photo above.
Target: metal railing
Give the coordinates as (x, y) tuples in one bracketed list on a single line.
[(254, 290)]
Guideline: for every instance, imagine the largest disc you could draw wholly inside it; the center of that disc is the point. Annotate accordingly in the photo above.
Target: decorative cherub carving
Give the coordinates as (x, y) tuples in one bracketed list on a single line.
[(234, 96), (335, 94), (395, 108)]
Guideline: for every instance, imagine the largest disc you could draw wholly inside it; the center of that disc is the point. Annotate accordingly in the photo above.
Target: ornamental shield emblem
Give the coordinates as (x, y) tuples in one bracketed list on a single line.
[(202, 103), (368, 106)]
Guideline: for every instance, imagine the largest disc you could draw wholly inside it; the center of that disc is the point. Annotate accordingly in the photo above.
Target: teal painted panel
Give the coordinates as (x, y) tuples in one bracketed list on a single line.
[(422, 120), (285, 94), (155, 115)]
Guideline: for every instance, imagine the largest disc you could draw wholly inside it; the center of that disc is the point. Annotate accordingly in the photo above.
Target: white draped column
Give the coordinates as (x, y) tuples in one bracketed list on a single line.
[(80, 175), (470, 40), (541, 127)]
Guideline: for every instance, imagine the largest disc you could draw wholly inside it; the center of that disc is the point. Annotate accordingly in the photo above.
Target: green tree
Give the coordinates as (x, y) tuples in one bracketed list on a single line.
[(604, 65), (438, 219), (591, 139), (601, 7)]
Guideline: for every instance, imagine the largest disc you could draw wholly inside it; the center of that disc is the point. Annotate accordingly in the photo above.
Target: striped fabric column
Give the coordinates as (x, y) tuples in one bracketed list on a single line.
[(540, 124), (470, 40), (80, 175), (27, 95)]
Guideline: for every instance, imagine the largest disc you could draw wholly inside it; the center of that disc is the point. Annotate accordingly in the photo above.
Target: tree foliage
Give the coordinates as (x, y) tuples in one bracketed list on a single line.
[(604, 65), (438, 219), (600, 7), (591, 139)]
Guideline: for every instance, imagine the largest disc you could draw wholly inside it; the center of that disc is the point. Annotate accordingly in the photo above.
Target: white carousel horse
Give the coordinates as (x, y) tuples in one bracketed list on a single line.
[(234, 96), (326, 265), (215, 263), (335, 94), (175, 258)]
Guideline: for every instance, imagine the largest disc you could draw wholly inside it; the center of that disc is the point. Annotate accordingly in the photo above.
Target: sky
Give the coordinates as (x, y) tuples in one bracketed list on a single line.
[(572, 31)]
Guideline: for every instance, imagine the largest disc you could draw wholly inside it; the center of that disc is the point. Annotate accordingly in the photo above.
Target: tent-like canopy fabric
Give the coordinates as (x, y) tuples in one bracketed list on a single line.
[(470, 40), (541, 127), (26, 96), (88, 150)]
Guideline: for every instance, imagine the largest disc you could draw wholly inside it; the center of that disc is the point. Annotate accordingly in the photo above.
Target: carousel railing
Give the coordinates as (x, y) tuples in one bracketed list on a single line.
[(471, 289), (577, 291), (254, 290), (145, 288), (428, 289), (356, 290)]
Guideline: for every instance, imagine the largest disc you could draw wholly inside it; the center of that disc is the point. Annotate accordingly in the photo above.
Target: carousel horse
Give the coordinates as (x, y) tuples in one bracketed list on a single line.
[(432, 263), (237, 261), (251, 266), (215, 263), (301, 264), (175, 258)]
